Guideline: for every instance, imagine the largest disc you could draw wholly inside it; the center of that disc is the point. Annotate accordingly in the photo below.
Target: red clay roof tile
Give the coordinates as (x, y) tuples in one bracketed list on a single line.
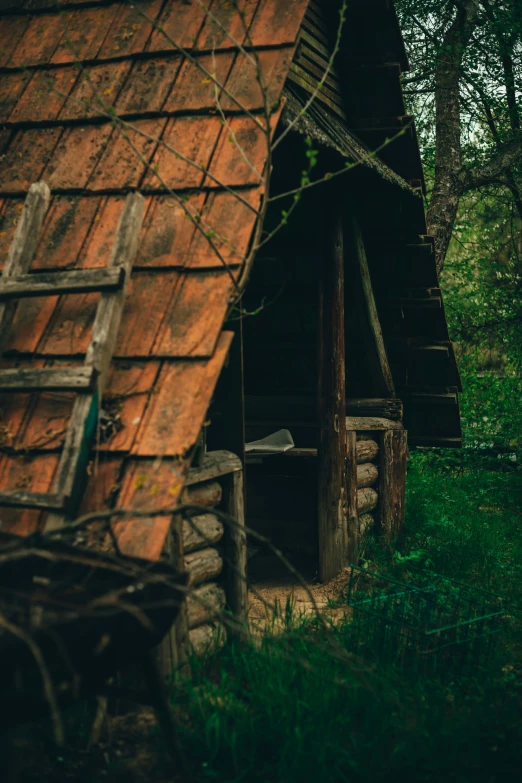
[(245, 80), (229, 223), (169, 312), (96, 90), (10, 211), (227, 23), (70, 328), (39, 41), (26, 158), (145, 306), (127, 156), (131, 29), (148, 485), (277, 22), (76, 156), (46, 426), (195, 316), (85, 33), (168, 231), (195, 139), (103, 483), (68, 223), (11, 32), (12, 86), (30, 322), (177, 412), (97, 250), (127, 396), (45, 96), (193, 89), (178, 25), (30, 473), (148, 85), (240, 155)]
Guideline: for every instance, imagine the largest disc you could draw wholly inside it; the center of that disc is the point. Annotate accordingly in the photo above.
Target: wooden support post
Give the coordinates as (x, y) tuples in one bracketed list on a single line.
[(376, 358), (332, 496), (392, 485), (173, 652), (236, 552), (351, 489), (23, 248)]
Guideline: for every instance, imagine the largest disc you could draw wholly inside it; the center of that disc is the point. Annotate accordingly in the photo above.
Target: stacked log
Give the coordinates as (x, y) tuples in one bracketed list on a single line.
[(381, 451), (203, 558), (367, 452)]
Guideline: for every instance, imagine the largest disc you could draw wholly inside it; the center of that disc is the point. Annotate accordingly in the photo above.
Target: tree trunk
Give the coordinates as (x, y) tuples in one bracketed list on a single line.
[(448, 186)]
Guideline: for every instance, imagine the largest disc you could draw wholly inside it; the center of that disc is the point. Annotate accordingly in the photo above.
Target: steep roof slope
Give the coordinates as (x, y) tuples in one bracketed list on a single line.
[(98, 98)]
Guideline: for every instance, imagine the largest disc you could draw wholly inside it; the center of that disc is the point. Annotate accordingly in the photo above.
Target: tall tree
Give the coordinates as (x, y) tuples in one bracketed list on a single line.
[(466, 88)]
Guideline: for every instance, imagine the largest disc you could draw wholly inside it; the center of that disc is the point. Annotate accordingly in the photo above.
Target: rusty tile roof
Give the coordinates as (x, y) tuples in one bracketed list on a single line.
[(72, 72)]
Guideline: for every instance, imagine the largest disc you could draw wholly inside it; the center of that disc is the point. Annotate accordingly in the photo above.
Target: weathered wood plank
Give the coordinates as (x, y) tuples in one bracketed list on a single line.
[(204, 604), (203, 566), (381, 408), (209, 494), (76, 281), (205, 530), (236, 550), (72, 379), (392, 486), (292, 409), (42, 500), (367, 475), (109, 311), (371, 423), (371, 310), (215, 464), (173, 653), (367, 500), (366, 451), (82, 425), (22, 249), (333, 533), (351, 496)]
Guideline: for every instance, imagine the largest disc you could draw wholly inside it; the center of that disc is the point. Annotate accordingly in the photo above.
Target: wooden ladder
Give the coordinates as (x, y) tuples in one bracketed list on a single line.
[(88, 380)]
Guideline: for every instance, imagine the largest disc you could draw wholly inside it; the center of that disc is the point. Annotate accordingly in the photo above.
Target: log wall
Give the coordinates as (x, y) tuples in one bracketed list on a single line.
[(213, 554), (380, 453)]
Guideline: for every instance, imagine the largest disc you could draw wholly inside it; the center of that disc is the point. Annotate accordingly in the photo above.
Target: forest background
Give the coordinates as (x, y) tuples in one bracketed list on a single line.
[(465, 91), (292, 709)]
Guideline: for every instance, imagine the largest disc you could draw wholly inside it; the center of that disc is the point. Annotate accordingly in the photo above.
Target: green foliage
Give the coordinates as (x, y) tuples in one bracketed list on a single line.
[(289, 710)]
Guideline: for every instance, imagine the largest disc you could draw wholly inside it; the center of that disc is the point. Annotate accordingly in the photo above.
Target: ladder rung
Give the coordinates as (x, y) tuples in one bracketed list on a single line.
[(40, 500), (76, 281), (71, 379)]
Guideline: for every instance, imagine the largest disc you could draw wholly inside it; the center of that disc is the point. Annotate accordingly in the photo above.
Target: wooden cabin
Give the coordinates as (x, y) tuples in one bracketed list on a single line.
[(133, 377)]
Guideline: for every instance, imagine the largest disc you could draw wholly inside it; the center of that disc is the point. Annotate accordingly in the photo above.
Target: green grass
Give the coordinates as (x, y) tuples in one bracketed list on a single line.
[(293, 711)]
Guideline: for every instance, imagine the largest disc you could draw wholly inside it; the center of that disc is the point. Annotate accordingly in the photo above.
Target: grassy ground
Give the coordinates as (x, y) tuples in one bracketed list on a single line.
[(301, 707), (294, 711)]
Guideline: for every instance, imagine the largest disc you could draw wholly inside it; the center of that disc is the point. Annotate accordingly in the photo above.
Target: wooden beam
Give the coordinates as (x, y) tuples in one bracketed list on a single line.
[(392, 484), (352, 482), (22, 249), (215, 464), (370, 423), (371, 310), (41, 500), (236, 553), (332, 495), (71, 473), (65, 379), (76, 281)]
